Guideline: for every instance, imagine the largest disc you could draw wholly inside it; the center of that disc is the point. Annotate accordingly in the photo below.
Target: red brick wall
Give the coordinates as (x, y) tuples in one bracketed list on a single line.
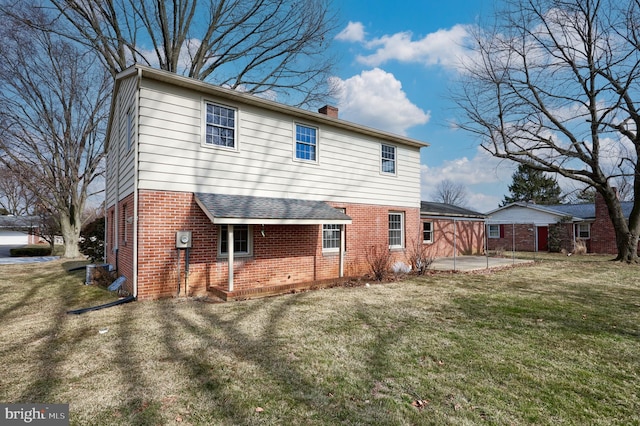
[(468, 236), (525, 238), (123, 240), (603, 236), (286, 254)]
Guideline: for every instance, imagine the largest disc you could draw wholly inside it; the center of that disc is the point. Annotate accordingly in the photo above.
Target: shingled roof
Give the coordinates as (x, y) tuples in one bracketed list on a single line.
[(442, 209), (236, 209)]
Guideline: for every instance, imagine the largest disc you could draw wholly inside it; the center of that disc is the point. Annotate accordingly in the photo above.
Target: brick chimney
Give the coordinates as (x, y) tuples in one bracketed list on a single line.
[(329, 111)]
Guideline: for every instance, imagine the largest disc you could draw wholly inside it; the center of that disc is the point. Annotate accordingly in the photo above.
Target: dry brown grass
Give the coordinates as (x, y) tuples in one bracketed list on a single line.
[(547, 344)]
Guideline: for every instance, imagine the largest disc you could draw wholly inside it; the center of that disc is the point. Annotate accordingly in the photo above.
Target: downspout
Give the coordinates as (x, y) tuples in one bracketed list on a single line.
[(135, 189), (116, 208), (342, 246)]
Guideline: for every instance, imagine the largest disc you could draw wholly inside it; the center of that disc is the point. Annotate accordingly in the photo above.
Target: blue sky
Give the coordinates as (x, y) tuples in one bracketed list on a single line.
[(398, 61)]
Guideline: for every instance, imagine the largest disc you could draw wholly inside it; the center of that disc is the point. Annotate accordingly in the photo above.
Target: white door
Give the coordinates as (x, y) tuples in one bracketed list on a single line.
[(13, 238)]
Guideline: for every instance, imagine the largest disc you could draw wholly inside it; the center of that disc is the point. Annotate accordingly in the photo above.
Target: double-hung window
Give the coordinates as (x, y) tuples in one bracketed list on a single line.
[(220, 126), (396, 230), (388, 159), (427, 232), (242, 241), (306, 143), (331, 236), (494, 231), (583, 231)]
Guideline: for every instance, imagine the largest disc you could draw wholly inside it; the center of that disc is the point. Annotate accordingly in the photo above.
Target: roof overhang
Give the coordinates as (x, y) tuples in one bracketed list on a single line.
[(225, 209)]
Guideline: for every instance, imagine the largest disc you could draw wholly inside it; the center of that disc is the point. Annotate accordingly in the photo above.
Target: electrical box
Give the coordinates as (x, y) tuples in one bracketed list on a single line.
[(183, 239)]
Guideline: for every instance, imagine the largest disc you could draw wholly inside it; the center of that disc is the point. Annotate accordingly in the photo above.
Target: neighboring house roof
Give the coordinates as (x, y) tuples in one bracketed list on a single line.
[(18, 221), (235, 209), (221, 92), (577, 212), (428, 208)]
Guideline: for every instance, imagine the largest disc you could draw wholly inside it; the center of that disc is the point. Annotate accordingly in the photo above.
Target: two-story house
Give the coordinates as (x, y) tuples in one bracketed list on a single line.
[(214, 190)]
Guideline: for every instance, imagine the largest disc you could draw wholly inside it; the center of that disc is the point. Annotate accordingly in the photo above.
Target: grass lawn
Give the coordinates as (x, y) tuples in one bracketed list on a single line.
[(553, 343)]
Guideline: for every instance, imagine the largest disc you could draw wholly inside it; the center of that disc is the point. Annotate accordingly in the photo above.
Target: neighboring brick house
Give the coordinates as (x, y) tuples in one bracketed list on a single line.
[(529, 227), (302, 195), (450, 230)]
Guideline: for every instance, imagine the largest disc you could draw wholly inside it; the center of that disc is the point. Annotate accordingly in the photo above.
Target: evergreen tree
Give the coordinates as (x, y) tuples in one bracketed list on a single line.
[(531, 185)]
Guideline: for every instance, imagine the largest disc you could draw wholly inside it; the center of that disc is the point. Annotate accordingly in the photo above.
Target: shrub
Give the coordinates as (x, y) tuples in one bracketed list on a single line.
[(379, 260), (92, 240), (30, 251), (579, 247), (419, 256)]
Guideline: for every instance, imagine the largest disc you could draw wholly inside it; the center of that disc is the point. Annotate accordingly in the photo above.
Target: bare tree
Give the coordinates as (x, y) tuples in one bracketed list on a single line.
[(449, 192), (16, 198), (53, 105), (265, 47), (556, 85)]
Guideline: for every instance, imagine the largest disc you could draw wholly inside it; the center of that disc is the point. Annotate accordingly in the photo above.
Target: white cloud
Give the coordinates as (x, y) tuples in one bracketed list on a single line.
[(353, 32), (481, 169), (375, 98), (485, 177), (444, 47)]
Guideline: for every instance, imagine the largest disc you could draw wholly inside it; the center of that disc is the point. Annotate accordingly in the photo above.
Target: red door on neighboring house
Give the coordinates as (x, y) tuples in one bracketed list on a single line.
[(543, 238)]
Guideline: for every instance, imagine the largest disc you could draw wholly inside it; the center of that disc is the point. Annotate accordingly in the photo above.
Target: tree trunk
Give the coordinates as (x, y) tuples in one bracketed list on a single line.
[(627, 247), (626, 236), (70, 226)]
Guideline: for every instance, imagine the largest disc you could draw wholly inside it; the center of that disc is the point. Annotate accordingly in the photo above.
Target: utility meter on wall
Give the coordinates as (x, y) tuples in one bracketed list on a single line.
[(183, 239)]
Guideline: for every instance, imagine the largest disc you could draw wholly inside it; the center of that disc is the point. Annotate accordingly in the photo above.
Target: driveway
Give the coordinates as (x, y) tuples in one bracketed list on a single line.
[(6, 259), (474, 263)]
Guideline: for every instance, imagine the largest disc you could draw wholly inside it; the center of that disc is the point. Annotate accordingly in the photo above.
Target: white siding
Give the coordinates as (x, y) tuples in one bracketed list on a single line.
[(171, 156), (120, 159), (518, 214)]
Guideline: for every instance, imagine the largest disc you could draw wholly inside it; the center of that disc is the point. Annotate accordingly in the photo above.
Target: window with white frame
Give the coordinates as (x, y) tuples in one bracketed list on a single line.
[(583, 231), (220, 126), (396, 229), (306, 143), (427, 232), (331, 236), (494, 231), (388, 159), (242, 241)]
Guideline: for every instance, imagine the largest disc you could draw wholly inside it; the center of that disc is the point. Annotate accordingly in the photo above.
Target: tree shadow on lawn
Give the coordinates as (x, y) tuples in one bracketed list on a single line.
[(221, 351)]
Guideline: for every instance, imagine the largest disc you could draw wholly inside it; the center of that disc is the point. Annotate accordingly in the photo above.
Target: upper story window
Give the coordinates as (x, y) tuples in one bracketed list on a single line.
[(396, 230), (306, 143), (220, 126), (388, 159), (427, 232)]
